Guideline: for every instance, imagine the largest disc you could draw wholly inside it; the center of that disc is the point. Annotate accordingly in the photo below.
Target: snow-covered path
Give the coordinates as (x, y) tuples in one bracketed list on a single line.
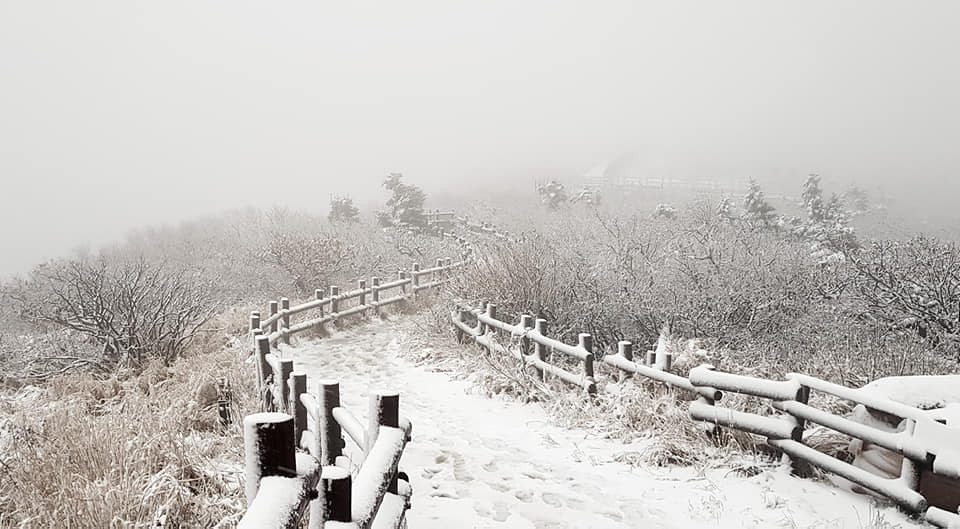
[(477, 462)]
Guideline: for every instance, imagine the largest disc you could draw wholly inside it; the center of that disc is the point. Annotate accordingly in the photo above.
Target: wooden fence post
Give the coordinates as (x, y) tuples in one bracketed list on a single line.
[(526, 323), (625, 349), (375, 288), (269, 450), (586, 343), (334, 302), (318, 294), (482, 327), (298, 386), (285, 307), (362, 285), (796, 465), (384, 411), (401, 275), (254, 320), (274, 309), (264, 373), (329, 432), (282, 381), (336, 493), (540, 350), (224, 398)]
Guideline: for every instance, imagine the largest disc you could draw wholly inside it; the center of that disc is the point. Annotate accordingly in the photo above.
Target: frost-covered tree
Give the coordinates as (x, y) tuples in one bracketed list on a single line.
[(665, 211), (405, 205), (725, 209), (756, 209), (812, 198), (552, 194), (342, 211)]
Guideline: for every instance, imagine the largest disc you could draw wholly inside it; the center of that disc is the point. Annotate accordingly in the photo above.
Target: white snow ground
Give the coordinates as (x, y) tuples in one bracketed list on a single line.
[(477, 462)]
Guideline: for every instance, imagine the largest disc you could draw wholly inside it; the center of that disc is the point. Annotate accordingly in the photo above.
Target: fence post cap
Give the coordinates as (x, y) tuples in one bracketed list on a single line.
[(266, 417), (334, 472)]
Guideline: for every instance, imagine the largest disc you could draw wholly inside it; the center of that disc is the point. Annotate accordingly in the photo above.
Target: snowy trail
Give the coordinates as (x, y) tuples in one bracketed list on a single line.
[(477, 462)]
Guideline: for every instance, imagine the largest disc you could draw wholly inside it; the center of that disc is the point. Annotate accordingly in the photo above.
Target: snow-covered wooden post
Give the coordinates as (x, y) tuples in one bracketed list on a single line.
[(586, 343), (650, 358), (282, 381), (482, 327), (540, 350), (401, 275), (625, 350), (362, 285), (803, 396), (526, 323), (384, 411), (329, 434), (375, 294), (254, 320), (285, 307), (416, 278), (318, 294), (336, 495), (298, 386), (264, 373), (438, 273), (268, 449), (334, 302), (274, 309)]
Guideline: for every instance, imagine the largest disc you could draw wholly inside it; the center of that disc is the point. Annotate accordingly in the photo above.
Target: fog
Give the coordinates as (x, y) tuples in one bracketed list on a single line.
[(115, 114)]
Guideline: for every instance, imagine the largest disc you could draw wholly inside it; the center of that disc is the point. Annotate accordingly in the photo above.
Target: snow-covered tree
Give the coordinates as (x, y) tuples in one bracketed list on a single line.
[(756, 209), (342, 211), (552, 194), (405, 205)]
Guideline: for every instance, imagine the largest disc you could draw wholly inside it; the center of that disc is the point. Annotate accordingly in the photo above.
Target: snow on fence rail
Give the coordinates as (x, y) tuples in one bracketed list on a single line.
[(282, 482), (929, 446)]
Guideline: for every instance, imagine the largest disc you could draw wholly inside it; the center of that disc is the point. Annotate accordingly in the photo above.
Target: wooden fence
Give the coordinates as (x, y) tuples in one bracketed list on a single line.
[(929, 446), (294, 446)]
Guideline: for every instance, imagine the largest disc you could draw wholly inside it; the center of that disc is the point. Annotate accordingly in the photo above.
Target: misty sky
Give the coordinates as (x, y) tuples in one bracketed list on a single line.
[(119, 113)]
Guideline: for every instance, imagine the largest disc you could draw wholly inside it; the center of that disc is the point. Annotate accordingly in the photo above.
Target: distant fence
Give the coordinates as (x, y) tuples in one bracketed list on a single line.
[(294, 447), (930, 447)]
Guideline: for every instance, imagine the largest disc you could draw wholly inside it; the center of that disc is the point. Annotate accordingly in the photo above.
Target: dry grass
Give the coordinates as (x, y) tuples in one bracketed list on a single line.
[(144, 451)]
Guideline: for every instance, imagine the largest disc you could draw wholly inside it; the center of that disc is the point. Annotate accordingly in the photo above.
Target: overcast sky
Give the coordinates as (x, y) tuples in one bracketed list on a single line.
[(119, 113)]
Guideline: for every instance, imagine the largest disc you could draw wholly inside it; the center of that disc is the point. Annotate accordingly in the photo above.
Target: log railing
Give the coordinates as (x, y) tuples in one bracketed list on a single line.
[(295, 457), (295, 444), (332, 305), (929, 445)]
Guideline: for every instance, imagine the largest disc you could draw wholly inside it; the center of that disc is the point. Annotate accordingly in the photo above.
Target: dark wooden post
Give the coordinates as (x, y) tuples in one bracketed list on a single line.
[(625, 349), (401, 275), (298, 386), (269, 450), (334, 302), (330, 434), (285, 307), (651, 358), (282, 379), (540, 350), (586, 343), (362, 285), (384, 411), (336, 494), (264, 373), (375, 293), (796, 465), (255, 333), (223, 402), (254, 320), (274, 309)]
